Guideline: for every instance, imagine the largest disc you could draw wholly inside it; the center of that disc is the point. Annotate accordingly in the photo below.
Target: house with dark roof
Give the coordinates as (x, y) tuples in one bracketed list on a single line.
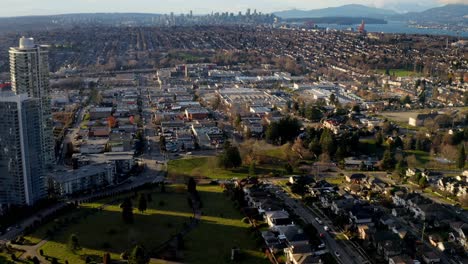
[(291, 234), (277, 218), (459, 233), (355, 178), (401, 259), (301, 254), (361, 215)]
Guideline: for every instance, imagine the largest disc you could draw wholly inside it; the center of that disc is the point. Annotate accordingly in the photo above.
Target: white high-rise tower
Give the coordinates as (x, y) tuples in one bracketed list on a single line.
[(29, 68)]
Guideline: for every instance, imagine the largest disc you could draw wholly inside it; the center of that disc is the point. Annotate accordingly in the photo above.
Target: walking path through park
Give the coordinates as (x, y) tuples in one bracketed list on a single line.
[(31, 251)]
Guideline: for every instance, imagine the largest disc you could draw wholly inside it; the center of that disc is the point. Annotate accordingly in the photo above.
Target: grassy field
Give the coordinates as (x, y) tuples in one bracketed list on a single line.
[(207, 167), (101, 231), (202, 167), (400, 73), (220, 229), (422, 157), (5, 256)]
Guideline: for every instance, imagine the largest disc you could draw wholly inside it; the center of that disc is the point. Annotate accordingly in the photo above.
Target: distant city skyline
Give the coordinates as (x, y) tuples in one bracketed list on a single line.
[(49, 7)]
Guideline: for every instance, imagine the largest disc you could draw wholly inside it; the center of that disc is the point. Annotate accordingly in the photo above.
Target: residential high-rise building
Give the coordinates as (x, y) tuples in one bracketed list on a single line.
[(29, 68), (22, 169)]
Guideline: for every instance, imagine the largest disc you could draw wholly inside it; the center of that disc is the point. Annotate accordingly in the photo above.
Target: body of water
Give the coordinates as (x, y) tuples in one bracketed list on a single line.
[(398, 27)]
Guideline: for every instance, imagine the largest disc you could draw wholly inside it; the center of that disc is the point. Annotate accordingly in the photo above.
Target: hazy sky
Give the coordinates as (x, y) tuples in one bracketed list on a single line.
[(45, 7)]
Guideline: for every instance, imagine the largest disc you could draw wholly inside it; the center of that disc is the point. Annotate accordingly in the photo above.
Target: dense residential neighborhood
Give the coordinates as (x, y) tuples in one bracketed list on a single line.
[(232, 139)]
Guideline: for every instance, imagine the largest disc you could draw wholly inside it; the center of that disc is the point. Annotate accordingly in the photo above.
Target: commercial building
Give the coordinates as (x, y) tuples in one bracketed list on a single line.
[(29, 67), (22, 170)]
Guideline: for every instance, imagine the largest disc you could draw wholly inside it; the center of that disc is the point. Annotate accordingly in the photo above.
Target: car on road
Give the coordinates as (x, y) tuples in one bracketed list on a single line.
[(318, 220), (321, 246), (326, 228), (188, 153), (337, 254)]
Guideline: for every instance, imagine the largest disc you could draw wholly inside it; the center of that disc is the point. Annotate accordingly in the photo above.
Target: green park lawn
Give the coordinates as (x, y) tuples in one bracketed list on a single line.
[(207, 167), (422, 157), (220, 230), (101, 231), (201, 167), (400, 73)]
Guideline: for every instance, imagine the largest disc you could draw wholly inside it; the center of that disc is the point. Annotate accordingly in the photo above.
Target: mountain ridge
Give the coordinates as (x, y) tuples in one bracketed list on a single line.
[(351, 10)]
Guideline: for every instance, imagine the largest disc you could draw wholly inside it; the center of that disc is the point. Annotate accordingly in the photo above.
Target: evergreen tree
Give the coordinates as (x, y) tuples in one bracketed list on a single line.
[(461, 157), (423, 182), (340, 153), (127, 211), (288, 168), (327, 142), (138, 256), (237, 121), (397, 143), (313, 113), (73, 243), (142, 204), (400, 166), (387, 162), (162, 143), (252, 169), (419, 144), (230, 158), (191, 185), (332, 99), (295, 106), (314, 147), (379, 138)]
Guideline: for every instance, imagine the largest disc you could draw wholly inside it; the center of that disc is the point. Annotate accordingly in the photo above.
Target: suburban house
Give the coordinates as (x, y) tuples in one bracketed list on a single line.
[(401, 259), (452, 186), (301, 254), (355, 177), (277, 218), (459, 233), (292, 235), (361, 215)]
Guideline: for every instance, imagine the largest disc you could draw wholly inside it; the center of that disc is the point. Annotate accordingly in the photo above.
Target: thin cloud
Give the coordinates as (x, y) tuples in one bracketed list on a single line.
[(464, 2)]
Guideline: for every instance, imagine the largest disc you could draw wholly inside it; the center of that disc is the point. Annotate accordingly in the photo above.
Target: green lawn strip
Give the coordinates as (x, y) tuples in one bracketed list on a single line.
[(41, 232), (335, 180), (220, 230), (104, 231), (421, 156), (5, 256), (208, 167), (201, 167), (400, 72), (275, 152)]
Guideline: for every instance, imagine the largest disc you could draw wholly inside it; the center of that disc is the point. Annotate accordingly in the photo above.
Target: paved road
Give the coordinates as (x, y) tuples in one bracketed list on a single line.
[(347, 255)]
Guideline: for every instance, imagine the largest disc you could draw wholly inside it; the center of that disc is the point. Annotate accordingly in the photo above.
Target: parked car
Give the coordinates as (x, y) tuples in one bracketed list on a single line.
[(318, 220)]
